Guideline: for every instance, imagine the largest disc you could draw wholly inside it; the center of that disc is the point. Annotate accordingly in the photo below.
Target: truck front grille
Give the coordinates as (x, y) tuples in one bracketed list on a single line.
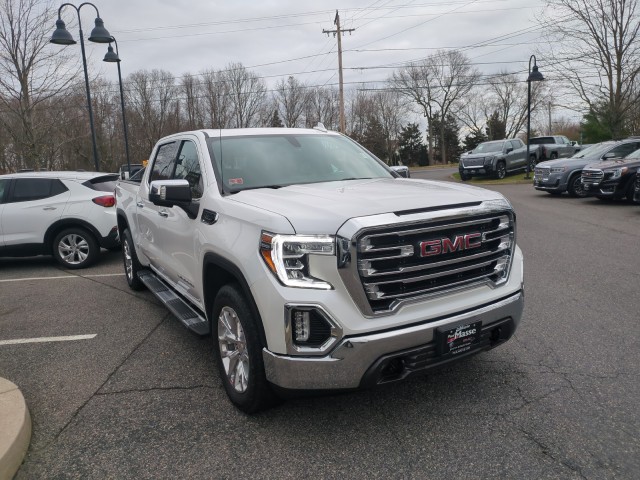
[(404, 262), (473, 162), (592, 176)]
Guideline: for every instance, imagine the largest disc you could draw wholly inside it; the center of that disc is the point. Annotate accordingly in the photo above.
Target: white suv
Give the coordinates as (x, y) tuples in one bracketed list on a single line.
[(69, 215)]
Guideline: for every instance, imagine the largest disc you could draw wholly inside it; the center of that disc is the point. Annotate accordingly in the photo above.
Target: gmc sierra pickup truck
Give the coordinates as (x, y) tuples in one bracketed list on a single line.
[(550, 148), (313, 265)]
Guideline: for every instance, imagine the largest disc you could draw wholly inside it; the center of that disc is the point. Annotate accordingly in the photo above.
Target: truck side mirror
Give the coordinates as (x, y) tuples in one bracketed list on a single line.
[(508, 150), (608, 156), (167, 193)]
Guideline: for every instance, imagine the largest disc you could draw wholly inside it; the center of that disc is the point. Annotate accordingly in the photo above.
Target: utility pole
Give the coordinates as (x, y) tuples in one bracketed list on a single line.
[(549, 119), (339, 33)]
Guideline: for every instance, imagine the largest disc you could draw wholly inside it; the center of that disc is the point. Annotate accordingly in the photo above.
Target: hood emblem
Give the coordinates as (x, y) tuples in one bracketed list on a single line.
[(442, 246)]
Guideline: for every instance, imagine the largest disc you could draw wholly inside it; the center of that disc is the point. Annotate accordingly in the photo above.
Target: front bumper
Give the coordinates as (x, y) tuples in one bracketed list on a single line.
[(602, 189), (551, 184), (362, 360), (477, 171)]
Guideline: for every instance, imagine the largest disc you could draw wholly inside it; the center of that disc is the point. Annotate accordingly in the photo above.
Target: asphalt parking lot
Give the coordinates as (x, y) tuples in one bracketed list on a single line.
[(137, 396)]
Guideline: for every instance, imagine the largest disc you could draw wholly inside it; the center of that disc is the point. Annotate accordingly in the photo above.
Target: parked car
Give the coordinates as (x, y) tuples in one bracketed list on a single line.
[(313, 266), (495, 158), (614, 179), (552, 147), (564, 175), (69, 215)]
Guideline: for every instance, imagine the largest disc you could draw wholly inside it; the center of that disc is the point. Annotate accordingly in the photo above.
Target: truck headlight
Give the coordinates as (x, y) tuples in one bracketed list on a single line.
[(558, 169), (287, 256), (489, 160), (618, 172)]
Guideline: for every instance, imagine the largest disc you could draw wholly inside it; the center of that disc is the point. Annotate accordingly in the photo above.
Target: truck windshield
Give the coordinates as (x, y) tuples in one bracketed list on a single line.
[(488, 147), (271, 161)]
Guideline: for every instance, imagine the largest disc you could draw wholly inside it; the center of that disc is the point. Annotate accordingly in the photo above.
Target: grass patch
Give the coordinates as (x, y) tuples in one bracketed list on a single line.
[(509, 179)]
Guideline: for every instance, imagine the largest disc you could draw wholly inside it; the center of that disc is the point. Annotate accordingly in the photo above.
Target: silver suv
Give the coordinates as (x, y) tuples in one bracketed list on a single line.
[(495, 158)]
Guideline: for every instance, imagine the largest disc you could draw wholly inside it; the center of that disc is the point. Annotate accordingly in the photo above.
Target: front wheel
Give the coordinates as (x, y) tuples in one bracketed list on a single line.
[(464, 177), (75, 248), (238, 349), (501, 170), (131, 264), (576, 189)]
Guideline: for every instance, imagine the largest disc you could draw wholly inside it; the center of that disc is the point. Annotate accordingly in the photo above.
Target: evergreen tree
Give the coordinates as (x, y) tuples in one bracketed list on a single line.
[(496, 128), (275, 119), (374, 138), (452, 142), (473, 139), (412, 149)]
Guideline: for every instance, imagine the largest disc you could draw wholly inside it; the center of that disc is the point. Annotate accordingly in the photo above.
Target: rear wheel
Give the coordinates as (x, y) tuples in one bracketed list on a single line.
[(553, 155), (75, 248), (238, 349), (131, 264), (575, 188), (532, 163)]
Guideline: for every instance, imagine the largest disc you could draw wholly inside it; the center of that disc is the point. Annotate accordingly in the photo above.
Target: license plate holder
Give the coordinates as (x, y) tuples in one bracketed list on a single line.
[(458, 339)]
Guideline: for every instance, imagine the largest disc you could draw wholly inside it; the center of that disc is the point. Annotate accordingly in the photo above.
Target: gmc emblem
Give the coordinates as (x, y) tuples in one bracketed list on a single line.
[(459, 243)]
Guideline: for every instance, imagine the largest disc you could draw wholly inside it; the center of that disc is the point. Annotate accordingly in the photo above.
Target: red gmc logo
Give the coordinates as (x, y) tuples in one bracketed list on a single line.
[(459, 243)]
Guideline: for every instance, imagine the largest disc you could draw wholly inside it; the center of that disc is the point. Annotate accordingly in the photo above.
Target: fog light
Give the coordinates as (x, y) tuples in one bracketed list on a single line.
[(301, 326)]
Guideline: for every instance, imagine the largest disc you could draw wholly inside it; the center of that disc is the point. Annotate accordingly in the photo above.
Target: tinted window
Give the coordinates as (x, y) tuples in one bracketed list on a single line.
[(188, 168), (28, 189), (102, 184), (541, 140), (488, 147), (164, 162), (625, 149), (4, 188)]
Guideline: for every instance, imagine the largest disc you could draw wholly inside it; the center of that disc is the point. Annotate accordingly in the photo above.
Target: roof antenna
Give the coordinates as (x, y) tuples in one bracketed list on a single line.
[(320, 126)]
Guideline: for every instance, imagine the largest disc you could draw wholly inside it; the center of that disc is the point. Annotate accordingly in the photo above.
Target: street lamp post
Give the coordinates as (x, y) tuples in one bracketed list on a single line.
[(114, 57), (534, 76), (99, 34)]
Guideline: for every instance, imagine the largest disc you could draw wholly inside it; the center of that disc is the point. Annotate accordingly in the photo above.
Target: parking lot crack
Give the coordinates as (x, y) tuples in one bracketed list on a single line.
[(152, 389), (75, 414)]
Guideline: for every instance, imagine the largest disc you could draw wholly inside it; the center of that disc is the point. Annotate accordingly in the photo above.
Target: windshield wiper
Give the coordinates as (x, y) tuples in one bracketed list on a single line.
[(273, 187)]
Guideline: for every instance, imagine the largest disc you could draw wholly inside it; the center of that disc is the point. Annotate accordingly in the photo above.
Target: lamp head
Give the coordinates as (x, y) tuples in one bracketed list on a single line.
[(535, 75), (99, 34), (61, 35), (111, 56)]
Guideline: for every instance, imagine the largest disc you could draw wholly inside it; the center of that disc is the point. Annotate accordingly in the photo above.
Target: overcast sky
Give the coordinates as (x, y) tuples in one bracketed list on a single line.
[(284, 37)]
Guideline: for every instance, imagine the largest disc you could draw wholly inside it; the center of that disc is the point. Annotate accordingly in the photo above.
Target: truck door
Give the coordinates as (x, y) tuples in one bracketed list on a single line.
[(150, 217), (516, 159), (177, 233)]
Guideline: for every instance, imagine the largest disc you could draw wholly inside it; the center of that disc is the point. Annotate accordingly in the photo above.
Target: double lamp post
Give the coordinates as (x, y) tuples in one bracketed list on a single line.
[(99, 34)]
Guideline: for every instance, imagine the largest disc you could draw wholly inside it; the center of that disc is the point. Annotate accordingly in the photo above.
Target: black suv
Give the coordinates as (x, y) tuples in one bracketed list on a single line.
[(614, 179)]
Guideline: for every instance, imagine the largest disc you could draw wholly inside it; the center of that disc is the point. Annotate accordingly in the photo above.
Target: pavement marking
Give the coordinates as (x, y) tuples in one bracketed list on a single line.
[(48, 339), (62, 276)]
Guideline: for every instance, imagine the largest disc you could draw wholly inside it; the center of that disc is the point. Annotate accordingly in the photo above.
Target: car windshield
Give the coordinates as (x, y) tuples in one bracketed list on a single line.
[(594, 150), (488, 147), (633, 155), (272, 161)]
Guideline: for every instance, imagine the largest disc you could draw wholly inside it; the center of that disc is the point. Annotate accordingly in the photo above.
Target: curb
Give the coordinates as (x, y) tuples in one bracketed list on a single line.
[(15, 429)]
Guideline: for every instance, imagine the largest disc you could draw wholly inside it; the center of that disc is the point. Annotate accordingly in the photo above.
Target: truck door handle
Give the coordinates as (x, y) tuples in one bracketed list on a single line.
[(163, 213), (139, 204), (49, 208)]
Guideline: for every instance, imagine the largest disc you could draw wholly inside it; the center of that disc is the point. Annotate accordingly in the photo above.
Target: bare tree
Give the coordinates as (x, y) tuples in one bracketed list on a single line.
[(247, 95), (391, 110), (437, 85), (322, 106), (291, 96), (596, 47), (30, 74), (191, 90), (216, 99)]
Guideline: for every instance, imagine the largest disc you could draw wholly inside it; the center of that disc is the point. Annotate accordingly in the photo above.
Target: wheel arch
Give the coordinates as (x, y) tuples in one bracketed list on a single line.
[(63, 223), (217, 272)]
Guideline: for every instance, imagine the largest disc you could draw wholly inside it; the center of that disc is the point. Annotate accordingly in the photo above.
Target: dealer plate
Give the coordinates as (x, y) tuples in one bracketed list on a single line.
[(460, 339)]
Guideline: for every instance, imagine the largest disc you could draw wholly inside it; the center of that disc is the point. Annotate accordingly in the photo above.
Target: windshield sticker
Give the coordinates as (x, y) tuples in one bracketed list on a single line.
[(236, 181)]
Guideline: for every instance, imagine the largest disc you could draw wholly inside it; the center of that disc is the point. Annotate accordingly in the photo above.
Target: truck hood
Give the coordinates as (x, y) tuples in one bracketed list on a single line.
[(322, 208), (612, 164), (572, 163)]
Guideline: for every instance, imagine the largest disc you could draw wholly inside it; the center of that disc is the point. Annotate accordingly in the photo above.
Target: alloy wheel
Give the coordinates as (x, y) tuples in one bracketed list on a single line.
[(73, 249), (233, 349)]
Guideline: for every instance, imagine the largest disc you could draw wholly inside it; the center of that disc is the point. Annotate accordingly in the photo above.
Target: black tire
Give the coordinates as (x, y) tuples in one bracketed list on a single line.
[(465, 177), (75, 248), (631, 187), (244, 380), (130, 261), (553, 156), (575, 187), (501, 170)]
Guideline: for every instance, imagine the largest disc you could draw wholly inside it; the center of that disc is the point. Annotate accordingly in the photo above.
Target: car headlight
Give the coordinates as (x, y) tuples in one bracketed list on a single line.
[(287, 256), (618, 172), (558, 169), (489, 160)]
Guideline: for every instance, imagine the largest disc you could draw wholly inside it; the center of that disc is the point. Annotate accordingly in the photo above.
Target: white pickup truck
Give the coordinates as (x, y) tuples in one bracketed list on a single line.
[(312, 264)]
